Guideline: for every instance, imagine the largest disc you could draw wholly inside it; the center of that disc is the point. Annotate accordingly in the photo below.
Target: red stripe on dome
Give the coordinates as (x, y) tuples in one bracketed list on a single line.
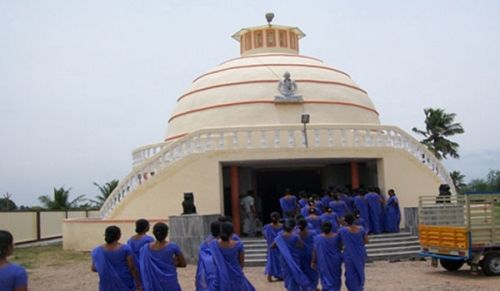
[(267, 102), (272, 65), (175, 136), (272, 55), (269, 81)]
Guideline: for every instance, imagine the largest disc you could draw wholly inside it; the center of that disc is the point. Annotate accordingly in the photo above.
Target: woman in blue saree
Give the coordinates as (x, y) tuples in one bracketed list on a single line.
[(114, 262), (338, 206), (354, 238), (327, 258), (392, 213), (288, 204), (331, 217), (12, 276), (289, 245), (205, 271), (270, 232), (307, 236), (314, 219), (229, 257), (140, 239), (159, 260)]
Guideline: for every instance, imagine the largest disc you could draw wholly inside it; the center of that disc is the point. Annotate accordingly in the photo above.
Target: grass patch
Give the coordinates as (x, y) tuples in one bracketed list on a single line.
[(51, 255)]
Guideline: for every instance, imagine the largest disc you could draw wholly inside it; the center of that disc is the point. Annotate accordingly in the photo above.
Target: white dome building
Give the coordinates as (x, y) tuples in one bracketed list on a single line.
[(234, 130)]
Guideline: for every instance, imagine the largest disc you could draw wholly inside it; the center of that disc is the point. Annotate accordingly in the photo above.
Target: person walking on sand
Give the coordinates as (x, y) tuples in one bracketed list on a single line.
[(12, 277), (140, 239), (271, 231), (114, 262), (354, 238), (289, 245), (229, 258), (327, 258), (159, 261)]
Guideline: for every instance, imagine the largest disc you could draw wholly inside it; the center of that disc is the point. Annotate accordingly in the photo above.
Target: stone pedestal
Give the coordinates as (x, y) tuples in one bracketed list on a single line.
[(188, 231)]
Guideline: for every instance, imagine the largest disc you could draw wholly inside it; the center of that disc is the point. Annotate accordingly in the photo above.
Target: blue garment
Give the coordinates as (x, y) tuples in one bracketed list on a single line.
[(12, 276), (288, 206), (294, 277), (303, 202), (230, 275), (136, 245), (360, 203), (319, 206), (326, 200), (329, 262), (158, 270), (304, 211), (315, 221), (354, 258), (273, 266), (373, 201), (339, 207), (392, 214), (205, 271), (333, 218), (113, 270), (306, 258)]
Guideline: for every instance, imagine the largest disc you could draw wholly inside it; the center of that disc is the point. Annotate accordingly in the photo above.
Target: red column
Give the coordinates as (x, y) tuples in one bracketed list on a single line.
[(235, 198), (354, 175)]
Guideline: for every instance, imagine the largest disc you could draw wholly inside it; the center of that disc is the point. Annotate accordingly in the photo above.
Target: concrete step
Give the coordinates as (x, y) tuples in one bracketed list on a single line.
[(387, 246)]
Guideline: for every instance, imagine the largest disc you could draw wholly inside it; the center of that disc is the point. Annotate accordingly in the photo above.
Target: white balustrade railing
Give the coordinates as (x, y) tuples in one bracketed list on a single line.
[(150, 160)]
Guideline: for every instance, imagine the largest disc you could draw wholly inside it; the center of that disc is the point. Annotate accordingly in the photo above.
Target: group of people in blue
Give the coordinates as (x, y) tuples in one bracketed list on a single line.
[(309, 243), (144, 263), (374, 211), (319, 235)]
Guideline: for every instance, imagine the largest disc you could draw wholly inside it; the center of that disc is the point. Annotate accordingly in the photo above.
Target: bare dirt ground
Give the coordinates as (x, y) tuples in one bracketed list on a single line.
[(52, 269)]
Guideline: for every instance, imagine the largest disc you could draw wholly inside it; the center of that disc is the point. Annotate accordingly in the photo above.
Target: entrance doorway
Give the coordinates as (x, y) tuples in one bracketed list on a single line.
[(269, 179)]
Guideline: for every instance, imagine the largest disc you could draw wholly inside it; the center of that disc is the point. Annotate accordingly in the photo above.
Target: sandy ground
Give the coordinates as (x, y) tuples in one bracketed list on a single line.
[(399, 276)]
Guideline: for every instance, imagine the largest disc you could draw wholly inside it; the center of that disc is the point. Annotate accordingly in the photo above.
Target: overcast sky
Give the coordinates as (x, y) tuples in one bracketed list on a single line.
[(83, 83)]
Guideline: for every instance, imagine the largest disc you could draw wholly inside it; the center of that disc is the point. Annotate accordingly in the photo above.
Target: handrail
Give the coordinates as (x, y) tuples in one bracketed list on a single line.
[(162, 155)]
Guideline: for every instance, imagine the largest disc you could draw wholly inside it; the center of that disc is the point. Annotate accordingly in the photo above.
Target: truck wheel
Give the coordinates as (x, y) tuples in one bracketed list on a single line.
[(491, 264), (451, 265)]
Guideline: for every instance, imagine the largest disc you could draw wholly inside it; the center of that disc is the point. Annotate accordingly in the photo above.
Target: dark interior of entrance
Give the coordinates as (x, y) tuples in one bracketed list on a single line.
[(269, 180)]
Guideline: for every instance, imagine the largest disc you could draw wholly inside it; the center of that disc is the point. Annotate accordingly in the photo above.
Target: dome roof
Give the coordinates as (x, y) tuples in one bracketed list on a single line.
[(242, 91)]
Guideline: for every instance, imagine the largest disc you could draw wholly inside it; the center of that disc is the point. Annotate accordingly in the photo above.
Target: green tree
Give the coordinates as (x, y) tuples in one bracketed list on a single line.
[(438, 126), (6, 204), (105, 190), (490, 184), (60, 200), (458, 180)]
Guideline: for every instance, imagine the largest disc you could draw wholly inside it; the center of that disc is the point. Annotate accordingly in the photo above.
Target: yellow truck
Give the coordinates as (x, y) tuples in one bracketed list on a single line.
[(461, 229)]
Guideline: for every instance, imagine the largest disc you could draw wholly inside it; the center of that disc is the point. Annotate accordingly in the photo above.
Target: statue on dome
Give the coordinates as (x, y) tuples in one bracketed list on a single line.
[(287, 88)]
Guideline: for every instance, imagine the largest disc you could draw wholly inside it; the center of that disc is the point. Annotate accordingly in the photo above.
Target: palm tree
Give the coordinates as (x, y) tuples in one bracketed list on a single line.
[(438, 126), (458, 180), (105, 190), (61, 200)]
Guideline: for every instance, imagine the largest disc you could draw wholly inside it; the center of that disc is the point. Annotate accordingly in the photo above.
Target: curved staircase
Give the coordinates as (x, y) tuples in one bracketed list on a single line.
[(390, 246)]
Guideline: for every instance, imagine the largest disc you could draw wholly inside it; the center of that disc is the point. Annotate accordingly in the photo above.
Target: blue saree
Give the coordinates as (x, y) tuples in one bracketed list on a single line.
[(273, 267), (112, 267), (354, 258), (205, 271), (392, 215), (329, 262), (158, 270), (230, 275), (294, 278)]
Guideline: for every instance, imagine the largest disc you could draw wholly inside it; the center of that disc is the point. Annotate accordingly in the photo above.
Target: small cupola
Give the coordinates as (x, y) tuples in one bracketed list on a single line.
[(269, 38)]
